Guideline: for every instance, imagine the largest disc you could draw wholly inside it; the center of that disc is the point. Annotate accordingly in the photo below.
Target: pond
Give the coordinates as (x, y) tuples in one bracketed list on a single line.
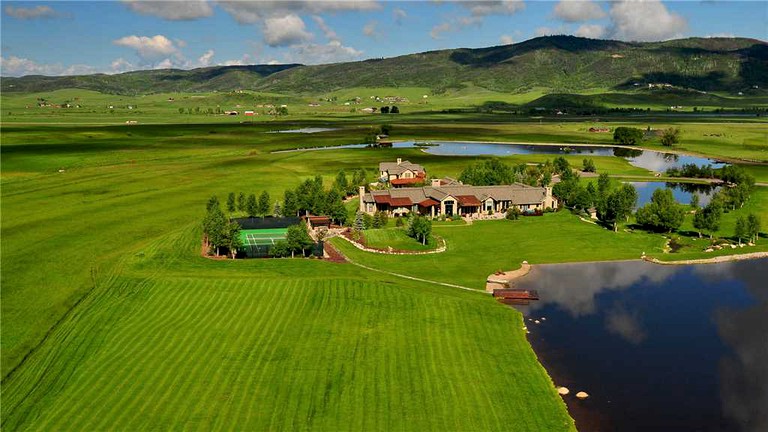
[(306, 130), (681, 348), (647, 159), (681, 191)]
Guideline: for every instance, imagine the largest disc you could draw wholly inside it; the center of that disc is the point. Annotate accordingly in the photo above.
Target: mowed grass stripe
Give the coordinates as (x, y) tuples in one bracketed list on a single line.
[(286, 354), (116, 395)]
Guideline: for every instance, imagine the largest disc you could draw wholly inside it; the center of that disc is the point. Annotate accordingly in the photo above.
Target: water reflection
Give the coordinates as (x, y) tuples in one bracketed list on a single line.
[(682, 192), (657, 347)]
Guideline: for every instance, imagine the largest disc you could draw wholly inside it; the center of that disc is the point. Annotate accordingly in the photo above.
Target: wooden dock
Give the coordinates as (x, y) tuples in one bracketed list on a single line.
[(515, 294)]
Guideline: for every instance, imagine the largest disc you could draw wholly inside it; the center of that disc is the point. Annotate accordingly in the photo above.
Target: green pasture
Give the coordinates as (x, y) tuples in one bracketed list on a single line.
[(144, 333)]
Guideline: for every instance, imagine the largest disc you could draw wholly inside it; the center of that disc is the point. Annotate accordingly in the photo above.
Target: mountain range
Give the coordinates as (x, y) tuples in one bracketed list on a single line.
[(565, 64)]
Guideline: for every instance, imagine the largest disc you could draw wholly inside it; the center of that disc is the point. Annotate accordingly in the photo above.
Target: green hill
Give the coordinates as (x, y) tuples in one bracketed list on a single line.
[(563, 64)]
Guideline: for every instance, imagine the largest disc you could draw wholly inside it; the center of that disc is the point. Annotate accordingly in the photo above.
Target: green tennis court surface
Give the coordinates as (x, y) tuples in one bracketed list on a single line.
[(258, 237)]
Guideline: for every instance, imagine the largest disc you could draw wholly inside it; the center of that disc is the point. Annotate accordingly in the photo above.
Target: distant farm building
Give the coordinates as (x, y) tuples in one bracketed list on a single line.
[(248, 113)]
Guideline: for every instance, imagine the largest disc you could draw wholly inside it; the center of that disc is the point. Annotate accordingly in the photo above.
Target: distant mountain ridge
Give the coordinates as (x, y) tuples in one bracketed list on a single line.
[(560, 63)]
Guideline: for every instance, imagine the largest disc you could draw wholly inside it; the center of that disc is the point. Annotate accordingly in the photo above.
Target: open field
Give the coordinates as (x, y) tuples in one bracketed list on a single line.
[(395, 238), (275, 345), (107, 305)]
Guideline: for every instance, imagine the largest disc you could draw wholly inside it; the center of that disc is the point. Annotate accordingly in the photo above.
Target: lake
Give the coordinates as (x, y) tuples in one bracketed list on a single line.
[(681, 348)]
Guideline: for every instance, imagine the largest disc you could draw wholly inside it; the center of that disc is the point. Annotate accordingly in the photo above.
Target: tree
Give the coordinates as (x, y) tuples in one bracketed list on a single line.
[(561, 165), (264, 204), (708, 218), (670, 137), (340, 183), (251, 206), (335, 208), (289, 203), (627, 136), (215, 225), (380, 219), (213, 202), (488, 172), (298, 238), (231, 207), (589, 165), (277, 210), (742, 229), (662, 213), (232, 240), (181, 110), (753, 227), (241, 201), (384, 110), (358, 178), (695, 200), (617, 205), (359, 222), (394, 110), (420, 228)]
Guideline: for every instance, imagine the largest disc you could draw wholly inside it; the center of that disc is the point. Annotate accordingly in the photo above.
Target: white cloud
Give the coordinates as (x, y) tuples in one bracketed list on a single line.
[(578, 10), (31, 13), (478, 10), (205, 59), (645, 20), (506, 40), (721, 35), (332, 52), (164, 64), (499, 7), (177, 10), (399, 15), (454, 25), (17, 66), (149, 48), (327, 31), (370, 29), (244, 60), (120, 65), (592, 31), (246, 12), (288, 30)]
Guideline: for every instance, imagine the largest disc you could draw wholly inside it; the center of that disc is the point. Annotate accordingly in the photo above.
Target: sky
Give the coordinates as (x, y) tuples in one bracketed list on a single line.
[(82, 37)]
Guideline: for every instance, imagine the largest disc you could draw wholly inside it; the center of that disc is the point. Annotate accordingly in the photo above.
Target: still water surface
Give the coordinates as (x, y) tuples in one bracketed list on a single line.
[(671, 348), (683, 192)]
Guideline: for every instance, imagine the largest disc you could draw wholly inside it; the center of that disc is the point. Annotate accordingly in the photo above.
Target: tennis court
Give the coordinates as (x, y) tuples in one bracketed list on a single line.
[(262, 237)]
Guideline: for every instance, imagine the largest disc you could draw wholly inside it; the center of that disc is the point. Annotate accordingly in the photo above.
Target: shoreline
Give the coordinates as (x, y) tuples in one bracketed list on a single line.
[(713, 260)]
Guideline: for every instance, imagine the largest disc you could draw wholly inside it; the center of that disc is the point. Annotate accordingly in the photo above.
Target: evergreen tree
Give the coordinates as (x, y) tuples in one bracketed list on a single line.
[(277, 211), (341, 184), (589, 165), (695, 200), (241, 202), (359, 223), (251, 206), (264, 204), (289, 203), (231, 207)]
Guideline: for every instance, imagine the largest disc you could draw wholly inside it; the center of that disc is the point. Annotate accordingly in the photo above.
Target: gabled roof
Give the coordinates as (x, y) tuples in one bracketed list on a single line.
[(394, 168), (468, 200)]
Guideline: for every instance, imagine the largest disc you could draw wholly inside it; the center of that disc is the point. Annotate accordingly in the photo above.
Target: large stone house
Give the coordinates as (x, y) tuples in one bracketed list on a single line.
[(450, 199), (401, 173)]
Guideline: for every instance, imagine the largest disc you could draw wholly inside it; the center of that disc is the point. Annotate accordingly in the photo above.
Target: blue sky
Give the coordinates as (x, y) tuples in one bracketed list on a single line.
[(74, 37)]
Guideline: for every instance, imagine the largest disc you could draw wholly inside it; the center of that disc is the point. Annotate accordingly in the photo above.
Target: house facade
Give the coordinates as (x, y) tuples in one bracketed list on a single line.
[(401, 173), (458, 199)]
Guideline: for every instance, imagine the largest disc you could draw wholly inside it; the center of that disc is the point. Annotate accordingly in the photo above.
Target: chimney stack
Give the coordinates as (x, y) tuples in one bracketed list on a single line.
[(362, 194), (399, 161)]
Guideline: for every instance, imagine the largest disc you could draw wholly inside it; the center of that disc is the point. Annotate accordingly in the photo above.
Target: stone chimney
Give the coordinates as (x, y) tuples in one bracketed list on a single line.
[(362, 194), (399, 161)]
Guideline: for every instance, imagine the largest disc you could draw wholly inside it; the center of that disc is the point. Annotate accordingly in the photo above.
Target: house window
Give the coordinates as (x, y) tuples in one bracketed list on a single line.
[(449, 208)]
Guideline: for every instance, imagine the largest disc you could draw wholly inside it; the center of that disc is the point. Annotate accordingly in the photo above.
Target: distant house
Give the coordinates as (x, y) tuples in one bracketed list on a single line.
[(402, 173), (464, 200), (248, 113)]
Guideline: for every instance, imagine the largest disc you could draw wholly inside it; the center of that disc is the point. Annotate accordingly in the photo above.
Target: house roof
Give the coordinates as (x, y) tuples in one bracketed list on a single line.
[(429, 202), (400, 202), (467, 195), (468, 200), (393, 168)]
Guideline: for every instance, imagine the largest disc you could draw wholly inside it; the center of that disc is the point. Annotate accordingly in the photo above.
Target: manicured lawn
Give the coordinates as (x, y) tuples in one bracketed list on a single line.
[(475, 251), (396, 238), (216, 346)]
